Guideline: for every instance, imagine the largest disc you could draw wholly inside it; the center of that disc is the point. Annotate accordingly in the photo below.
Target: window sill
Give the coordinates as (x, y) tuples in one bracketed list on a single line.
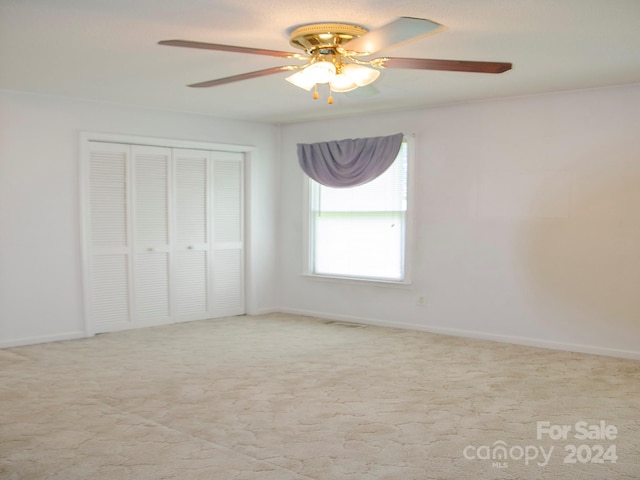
[(362, 281)]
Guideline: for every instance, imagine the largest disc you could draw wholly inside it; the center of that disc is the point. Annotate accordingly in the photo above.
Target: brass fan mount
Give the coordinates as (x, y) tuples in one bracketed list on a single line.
[(315, 37)]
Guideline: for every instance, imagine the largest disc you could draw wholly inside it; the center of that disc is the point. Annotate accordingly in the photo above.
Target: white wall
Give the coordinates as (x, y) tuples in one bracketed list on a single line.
[(527, 217), (527, 222), (40, 270)]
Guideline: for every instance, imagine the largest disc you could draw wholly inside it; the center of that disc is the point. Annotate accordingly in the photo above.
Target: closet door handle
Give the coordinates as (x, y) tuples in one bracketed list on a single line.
[(190, 247), (152, 249)]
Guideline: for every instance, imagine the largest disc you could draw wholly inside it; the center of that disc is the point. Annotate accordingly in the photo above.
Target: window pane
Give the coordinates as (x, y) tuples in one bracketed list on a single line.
[(360, 231), (360, 245)]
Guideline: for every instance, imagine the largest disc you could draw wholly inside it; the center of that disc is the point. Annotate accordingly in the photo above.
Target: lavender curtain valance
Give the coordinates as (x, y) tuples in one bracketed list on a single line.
[(351, 162)]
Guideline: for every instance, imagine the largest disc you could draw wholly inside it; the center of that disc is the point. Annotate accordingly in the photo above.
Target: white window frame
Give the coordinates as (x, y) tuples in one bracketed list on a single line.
[(408, 239)]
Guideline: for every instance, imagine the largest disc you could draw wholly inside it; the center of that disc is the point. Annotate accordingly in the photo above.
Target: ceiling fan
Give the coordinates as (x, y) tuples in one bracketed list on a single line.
[(334, 53)]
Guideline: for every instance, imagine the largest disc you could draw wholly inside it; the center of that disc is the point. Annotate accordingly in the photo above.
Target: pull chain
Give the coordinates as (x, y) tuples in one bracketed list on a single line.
[(316, 96)]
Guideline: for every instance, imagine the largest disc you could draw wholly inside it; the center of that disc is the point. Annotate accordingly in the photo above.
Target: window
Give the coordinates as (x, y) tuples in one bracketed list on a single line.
[(361, 232)]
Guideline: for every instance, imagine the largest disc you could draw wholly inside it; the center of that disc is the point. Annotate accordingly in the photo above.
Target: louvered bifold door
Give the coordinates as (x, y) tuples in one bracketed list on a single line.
[(151, 234), (108, 236), (228, 234), (191, 235)]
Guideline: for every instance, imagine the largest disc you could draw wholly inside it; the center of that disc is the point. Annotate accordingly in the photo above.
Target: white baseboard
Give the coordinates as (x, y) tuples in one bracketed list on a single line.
[(516, 340), (19, 342)]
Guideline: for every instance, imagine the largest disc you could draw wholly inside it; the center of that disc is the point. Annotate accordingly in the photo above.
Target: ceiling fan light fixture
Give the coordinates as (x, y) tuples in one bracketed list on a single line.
[(359, 74)]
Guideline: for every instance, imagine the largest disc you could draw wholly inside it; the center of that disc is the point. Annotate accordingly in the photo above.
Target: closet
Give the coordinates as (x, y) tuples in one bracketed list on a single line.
[(163, 234)]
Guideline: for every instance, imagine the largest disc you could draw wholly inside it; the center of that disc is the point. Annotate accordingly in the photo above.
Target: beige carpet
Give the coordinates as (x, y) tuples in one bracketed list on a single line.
[(280, 397)]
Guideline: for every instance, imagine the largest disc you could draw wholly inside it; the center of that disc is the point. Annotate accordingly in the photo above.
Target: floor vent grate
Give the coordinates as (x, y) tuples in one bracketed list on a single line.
[(345, 324)]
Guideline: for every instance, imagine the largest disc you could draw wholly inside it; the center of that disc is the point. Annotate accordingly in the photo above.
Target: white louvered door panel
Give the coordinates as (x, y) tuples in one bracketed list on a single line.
[(110, 295), (191, 280), (108, 244), (228, 234), (228, 292), (151, 234), (152, 288), (108, 195), (191, 234)]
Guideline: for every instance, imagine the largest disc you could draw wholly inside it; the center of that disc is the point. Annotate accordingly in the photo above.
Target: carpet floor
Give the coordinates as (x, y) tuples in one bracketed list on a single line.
[(283, 397)]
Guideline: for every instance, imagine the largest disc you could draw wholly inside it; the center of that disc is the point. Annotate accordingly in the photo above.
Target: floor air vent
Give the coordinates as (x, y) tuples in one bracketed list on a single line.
[(345, 324)]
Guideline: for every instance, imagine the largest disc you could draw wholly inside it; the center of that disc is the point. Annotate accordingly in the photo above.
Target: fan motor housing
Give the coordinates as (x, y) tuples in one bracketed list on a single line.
[(317, 36)]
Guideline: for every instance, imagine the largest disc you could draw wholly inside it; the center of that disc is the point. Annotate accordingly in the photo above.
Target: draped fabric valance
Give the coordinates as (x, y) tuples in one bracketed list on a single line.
[(351, 162)]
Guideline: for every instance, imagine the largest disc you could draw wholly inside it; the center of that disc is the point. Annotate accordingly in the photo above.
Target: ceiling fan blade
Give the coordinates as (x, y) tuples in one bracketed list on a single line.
[(404, 28), (447, 65), (242, 76), (229, 48)]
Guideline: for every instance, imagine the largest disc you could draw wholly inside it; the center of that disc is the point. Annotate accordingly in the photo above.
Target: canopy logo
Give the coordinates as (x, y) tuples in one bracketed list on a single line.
[(500, 453)]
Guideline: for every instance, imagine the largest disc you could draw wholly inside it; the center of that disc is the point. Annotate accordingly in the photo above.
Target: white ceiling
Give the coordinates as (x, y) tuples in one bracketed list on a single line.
[(106, 50)]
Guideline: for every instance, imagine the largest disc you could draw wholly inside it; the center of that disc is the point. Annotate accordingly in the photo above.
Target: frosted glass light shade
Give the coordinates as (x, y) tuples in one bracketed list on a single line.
[(342, 83), (302, 80), (359, 74), (351, 76), (321, 72)]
